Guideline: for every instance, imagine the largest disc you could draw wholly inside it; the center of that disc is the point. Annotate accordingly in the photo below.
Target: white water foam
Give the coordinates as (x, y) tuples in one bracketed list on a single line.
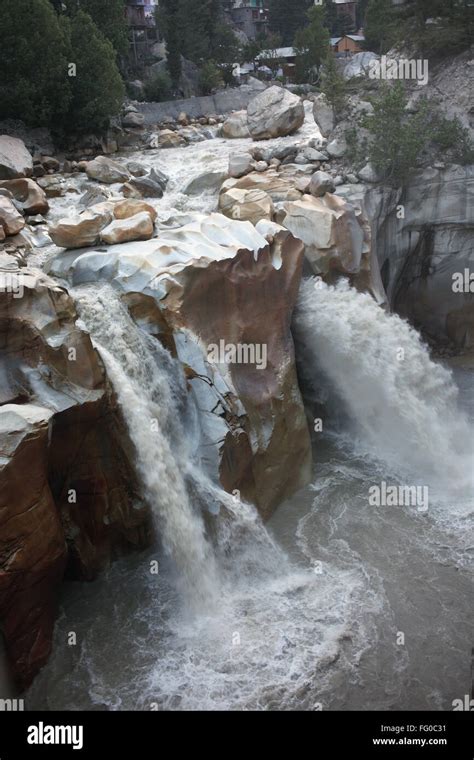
[(403, 406)]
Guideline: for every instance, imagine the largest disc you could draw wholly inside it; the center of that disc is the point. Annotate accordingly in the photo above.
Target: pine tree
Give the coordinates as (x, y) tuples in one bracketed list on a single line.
[(379, 25), (97, 88), (109, 17), (167, 18), (286, 18), (311, 46), (34, 83)]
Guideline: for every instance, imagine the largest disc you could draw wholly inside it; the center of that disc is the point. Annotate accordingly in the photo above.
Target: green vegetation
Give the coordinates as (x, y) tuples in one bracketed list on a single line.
[(432, 28), (108, 16), (34, 56), (399, 140), (210, 78), (333, 85), (57, 71), (158, 88), (97, 89), (311, 46)]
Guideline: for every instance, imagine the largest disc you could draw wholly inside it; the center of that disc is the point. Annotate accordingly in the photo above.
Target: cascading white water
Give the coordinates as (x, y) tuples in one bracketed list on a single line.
[(403, 404), (143, 374)]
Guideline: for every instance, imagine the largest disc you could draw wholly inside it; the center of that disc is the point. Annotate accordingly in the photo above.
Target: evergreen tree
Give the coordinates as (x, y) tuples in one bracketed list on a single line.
[(379, 25), (34, 83), (333, 84), (108, 16), (286, 18), (167, 18), (311, 46), (97, 88)]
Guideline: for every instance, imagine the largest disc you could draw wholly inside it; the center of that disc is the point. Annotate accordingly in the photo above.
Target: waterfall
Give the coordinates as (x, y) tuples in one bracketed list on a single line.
[(402, 404), (151, 395)]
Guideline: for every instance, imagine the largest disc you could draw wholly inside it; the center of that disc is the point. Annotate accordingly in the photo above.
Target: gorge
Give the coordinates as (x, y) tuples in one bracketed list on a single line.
[(279, 585)]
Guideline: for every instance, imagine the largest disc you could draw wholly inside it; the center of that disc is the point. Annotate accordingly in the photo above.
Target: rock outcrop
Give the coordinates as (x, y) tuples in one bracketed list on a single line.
[(423, 236), (337, 240), (275, 112), (69, 498), (219, 282)]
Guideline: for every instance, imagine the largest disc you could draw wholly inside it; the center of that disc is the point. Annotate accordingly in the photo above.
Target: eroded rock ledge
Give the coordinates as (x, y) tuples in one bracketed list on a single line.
[(69, 500)]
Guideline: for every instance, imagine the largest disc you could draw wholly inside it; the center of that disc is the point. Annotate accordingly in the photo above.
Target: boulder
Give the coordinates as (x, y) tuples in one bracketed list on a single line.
[(28, 194), (136, 169), (169, 139), (137, 227), (246, 205), (337, 240), (337, 147), (133, 119), (106, 170), (321, 183), (126, 209), (50, 163), (369, 173), (240, 164), (142, 187), (208, 181), (275, 112), (236, 126), (15, 159), (11, 221), (323, 114), (276, 184), (81, 230), (53, 186)]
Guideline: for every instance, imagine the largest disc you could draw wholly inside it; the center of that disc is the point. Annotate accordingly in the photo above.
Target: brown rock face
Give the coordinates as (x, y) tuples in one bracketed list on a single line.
[(246, 300), (68, 493), (32, 544)]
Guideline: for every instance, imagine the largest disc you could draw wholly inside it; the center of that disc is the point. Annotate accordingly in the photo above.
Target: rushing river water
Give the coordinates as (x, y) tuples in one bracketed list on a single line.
[(336, 604)]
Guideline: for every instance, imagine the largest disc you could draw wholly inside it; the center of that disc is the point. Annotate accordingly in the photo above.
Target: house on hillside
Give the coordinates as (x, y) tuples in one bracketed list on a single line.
[(347, 8), (249, 16), (348, 44), (143, 32)]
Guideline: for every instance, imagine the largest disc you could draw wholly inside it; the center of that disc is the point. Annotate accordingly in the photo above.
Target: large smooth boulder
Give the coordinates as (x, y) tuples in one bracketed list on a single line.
[(321, 183), (236, 126), (213, 279), (240, 164), (206, 182), (275, 112), (169, 139), (246, 205), (29, 195), (137, 227), (106, 170), (127, 208), (323, 113), (15, 158), (279, 185), (337, 240), (81, 230), (11, 221)]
